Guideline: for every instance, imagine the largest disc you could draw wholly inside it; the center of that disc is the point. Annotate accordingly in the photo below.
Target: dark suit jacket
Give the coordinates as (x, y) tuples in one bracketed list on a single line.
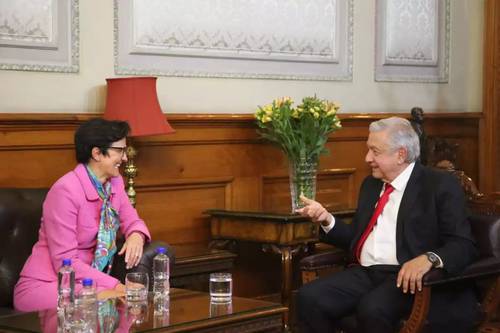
[(432, 217)]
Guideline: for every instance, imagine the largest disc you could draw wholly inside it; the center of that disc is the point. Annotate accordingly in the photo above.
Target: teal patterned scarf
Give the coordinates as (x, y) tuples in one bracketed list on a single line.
[(108, 226), (107, 315)]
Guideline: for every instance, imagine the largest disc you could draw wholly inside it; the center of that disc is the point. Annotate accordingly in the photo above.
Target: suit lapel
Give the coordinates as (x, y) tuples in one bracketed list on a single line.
[(410, 196)]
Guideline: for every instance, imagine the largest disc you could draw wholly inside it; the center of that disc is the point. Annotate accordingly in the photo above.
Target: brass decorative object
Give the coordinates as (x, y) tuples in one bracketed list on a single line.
[(130, 172)]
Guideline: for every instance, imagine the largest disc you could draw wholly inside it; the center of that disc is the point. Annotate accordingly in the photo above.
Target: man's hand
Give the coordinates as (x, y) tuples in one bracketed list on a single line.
[(410, 275), (315, 211), (133, 249)]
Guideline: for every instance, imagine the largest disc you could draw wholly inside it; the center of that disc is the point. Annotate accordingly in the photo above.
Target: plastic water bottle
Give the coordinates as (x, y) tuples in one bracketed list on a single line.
[(87, 294), (66, 284), (87, 300), (66, 293), (161, 283)]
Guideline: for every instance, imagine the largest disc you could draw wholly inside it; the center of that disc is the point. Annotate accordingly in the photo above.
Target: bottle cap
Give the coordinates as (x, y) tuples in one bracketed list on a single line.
[(66, 262), (87, 282), (161, 250)]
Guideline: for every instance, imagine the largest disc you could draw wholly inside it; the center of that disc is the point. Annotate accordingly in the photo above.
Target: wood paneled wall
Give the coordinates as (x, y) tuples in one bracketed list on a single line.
[(212, 161), (490, 136)]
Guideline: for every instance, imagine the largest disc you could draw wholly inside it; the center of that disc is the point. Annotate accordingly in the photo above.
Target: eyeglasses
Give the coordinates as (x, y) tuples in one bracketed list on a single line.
[(121, 150)]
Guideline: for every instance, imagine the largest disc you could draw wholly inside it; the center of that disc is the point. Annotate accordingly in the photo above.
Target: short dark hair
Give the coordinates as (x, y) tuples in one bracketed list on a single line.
[(98, 133)]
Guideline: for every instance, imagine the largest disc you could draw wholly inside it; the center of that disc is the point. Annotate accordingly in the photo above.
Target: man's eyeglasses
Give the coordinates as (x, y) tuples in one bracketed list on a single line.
[(121, 150)]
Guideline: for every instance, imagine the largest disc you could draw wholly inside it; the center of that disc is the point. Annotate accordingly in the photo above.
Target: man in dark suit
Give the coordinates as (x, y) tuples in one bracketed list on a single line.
[(409, 219)]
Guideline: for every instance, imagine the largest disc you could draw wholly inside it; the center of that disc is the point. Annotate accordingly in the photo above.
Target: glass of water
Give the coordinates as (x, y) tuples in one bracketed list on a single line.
[(136, 287), (220, 309), (221, 287), (137, 312)]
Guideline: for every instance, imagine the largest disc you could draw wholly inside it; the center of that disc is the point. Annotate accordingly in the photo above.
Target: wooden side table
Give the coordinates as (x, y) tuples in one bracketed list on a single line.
[(195, 262), (282, 234)]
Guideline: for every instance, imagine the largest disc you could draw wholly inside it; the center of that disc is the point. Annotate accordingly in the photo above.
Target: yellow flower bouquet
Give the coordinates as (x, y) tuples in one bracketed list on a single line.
[(301, 133)]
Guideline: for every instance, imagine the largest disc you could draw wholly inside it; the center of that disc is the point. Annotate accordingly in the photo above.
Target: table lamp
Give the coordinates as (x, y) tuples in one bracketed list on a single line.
[(134, 100)]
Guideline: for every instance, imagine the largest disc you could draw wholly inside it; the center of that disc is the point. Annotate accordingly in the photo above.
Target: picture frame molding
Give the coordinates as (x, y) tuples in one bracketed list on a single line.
[(60, 55), (127, 58)]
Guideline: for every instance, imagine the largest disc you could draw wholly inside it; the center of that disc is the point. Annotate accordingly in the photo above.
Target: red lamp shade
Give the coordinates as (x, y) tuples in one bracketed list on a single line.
[(134, 99)]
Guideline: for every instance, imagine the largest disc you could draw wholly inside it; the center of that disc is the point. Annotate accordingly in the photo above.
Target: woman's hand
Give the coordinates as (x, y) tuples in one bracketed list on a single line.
[(133, 249), (118, 292), (120, 287)]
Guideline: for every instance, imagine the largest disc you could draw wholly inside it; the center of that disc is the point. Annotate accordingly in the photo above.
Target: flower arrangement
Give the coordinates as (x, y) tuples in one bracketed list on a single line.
[(302, 131)]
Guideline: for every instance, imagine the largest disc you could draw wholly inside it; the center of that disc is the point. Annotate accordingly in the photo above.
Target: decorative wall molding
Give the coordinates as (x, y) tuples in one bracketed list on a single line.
[(39, 35), (53, 133), (28, 23), (274, 39), (412, 40)]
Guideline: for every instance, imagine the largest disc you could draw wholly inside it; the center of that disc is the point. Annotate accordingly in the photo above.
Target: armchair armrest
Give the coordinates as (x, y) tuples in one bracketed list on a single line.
[(145, 265), (481, 268), (323, 260), (489, 266)]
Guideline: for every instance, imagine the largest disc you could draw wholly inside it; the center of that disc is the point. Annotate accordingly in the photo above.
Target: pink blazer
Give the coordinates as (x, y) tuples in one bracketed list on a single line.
[(69, 228)]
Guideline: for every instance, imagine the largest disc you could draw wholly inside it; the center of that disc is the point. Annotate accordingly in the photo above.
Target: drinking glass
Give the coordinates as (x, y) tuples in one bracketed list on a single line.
[(221, 287), (220, 309), (136, 287), (137, 312)]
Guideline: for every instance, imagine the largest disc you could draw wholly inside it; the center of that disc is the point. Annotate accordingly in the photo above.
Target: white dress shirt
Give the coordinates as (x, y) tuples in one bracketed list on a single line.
[(380, 246)]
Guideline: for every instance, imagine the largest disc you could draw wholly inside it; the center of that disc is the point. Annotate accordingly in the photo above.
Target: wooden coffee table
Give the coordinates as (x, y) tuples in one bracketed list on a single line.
[(190, 311)]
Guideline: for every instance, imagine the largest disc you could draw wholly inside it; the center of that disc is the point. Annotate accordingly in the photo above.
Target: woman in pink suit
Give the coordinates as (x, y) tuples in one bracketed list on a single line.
[(82, 214)]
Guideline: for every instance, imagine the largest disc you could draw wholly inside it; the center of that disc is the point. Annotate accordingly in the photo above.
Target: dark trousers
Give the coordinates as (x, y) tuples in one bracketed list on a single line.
[(370, 293)]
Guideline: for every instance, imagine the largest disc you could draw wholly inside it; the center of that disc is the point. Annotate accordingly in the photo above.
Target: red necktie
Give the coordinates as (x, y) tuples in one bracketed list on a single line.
[(378, 210)]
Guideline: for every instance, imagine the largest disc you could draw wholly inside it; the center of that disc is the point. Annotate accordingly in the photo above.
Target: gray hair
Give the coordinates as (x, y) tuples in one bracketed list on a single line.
[(401, 135)]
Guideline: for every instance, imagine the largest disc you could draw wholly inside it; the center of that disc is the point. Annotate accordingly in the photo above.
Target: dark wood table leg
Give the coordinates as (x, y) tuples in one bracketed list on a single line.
[(287, 253)]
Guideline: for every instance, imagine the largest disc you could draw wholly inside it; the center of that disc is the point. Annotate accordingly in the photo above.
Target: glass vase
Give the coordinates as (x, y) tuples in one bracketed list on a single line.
[(302, 180)]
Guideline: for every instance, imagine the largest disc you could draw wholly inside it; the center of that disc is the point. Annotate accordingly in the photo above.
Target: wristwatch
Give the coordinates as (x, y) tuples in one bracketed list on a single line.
[(433, 258)]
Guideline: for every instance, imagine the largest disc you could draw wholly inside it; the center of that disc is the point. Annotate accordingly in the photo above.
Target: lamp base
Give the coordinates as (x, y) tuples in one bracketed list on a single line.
[(130, 172)]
